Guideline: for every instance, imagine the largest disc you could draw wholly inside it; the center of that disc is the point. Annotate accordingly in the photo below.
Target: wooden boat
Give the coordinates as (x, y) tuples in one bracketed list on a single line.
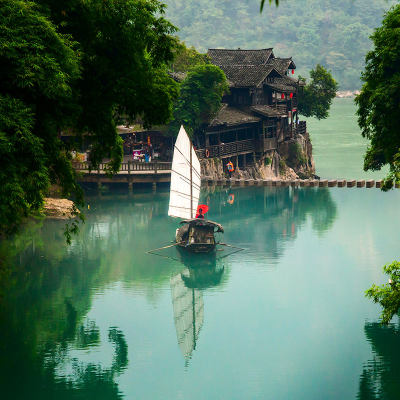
[(198, 235), (195, 235)]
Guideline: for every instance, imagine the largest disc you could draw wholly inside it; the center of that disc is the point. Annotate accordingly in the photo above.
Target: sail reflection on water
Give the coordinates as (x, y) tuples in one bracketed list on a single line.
[(188, 308)]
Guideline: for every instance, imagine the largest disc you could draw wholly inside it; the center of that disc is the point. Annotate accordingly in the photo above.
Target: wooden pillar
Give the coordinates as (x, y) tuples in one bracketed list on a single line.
[(254, 158), (237, 162), (207, 141), (244, 160)]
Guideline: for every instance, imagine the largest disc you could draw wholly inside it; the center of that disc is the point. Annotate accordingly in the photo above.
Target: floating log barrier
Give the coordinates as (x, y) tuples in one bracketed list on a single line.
[(351, 183), (370, 183), (332, 183), (360, 183), (296, 182), (323, 183)]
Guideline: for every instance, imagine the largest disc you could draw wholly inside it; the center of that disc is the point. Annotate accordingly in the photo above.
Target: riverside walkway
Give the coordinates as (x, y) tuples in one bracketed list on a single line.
[(130, 173), (160, 172)]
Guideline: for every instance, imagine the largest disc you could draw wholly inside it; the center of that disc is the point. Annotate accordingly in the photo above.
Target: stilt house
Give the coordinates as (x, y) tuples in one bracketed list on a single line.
[(259, 113)]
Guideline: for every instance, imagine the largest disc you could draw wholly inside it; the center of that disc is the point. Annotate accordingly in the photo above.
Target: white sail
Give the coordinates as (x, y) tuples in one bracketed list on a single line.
[(185, 179), (188, 314)]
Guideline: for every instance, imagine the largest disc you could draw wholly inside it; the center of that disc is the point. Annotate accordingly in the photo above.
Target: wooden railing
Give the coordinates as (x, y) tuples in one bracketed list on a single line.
[(227, 149), (128, 167)]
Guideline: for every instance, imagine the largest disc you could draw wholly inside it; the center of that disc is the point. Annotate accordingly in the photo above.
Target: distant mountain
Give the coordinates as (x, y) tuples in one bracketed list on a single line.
[(334, 33)]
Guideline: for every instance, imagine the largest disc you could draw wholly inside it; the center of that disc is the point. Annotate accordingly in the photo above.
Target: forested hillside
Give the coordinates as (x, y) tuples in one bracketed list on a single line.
[(334, 33)]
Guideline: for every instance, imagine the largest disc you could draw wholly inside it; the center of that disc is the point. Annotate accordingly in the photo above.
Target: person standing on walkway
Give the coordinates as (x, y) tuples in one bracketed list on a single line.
[(230, 168)]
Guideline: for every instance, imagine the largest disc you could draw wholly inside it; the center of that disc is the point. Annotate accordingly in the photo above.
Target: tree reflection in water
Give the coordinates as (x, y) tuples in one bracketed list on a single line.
[(380, 377), (47, 287)]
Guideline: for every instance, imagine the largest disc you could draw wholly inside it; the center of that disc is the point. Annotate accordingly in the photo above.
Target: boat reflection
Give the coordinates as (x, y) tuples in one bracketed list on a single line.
[(187, 287)]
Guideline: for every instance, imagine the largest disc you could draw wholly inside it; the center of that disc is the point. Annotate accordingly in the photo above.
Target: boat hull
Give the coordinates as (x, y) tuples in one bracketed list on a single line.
[(197, 247)]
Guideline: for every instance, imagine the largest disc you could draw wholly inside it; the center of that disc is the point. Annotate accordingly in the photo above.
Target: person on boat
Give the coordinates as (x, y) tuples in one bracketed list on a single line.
[(200, 214), (230, 168)]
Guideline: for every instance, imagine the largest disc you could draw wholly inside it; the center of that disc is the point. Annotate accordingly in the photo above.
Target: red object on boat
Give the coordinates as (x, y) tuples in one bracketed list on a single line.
[(204, 208), (282, 96), (291, 95), (292, 71)]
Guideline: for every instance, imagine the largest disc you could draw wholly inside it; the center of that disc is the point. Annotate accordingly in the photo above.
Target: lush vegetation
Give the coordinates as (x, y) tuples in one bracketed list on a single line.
[(388, 295), (334, 34), (379, 100), (316, 97), (200, 98), (378, 110), (76, 65)]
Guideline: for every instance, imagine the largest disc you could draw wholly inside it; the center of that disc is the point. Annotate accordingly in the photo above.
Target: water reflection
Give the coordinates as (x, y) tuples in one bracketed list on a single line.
[(275, 214), (46, 337), (202, 271), (380, 377)]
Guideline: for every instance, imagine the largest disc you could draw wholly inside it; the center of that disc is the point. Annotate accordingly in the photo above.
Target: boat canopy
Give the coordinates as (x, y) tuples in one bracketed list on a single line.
[(203, 222)]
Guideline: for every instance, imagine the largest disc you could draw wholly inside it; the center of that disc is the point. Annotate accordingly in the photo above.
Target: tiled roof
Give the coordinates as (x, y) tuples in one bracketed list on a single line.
[(178, 76), (232, 116), (239, 57), (246, 75), (284, 84), (267, 111), (282, 64)]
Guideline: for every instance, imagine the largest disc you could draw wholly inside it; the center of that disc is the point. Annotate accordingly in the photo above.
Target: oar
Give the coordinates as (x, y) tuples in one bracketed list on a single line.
[(229, 245), (162, 248), (161, 255)]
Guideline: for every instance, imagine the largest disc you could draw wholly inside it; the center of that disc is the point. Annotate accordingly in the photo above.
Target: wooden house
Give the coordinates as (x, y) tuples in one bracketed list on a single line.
[(260, 111)]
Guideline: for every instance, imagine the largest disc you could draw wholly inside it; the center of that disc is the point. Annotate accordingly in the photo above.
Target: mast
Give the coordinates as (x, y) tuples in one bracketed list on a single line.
[(191, 181)]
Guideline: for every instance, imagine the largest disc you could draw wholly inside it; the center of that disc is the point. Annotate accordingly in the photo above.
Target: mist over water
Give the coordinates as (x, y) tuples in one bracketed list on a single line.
[(284, 319)]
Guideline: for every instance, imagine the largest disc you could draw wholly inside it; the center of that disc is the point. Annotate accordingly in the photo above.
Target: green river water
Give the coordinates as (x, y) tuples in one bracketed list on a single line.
[(284, 319), (338, 146)]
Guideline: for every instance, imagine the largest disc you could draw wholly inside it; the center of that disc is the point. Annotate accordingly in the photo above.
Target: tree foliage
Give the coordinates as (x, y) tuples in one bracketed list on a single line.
[(331, 33), (37, 67), (388, 295), (379, 100), (75, 65), (187, 57), (200, 98), (316, 97)]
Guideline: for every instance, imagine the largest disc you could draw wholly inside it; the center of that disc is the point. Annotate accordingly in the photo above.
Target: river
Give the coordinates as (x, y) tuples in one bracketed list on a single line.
[(286, 318), (338, 147)]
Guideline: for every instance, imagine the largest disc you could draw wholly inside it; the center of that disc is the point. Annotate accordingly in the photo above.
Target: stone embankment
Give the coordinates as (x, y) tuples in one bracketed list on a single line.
[(291, 160), (58, 208)]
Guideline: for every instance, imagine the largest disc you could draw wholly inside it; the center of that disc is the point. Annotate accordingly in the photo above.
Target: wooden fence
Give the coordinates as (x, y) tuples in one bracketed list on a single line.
[(127, 167), (227, 149)]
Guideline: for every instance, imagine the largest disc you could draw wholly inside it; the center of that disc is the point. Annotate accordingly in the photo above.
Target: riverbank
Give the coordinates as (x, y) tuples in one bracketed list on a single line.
[(58, 208)]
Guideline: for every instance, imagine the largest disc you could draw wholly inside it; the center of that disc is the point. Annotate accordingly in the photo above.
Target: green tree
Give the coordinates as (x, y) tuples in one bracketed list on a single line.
[(200, 98), (388, 295), (379, 100), (75, 65), (37, 67), (316, 97), (187, 58)]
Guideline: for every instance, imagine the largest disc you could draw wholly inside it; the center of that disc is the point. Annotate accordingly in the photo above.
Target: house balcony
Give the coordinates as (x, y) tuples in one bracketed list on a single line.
[(227, 149)]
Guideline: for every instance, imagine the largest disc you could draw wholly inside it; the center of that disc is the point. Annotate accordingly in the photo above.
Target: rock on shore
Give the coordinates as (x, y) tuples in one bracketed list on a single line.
[(58, 208)]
